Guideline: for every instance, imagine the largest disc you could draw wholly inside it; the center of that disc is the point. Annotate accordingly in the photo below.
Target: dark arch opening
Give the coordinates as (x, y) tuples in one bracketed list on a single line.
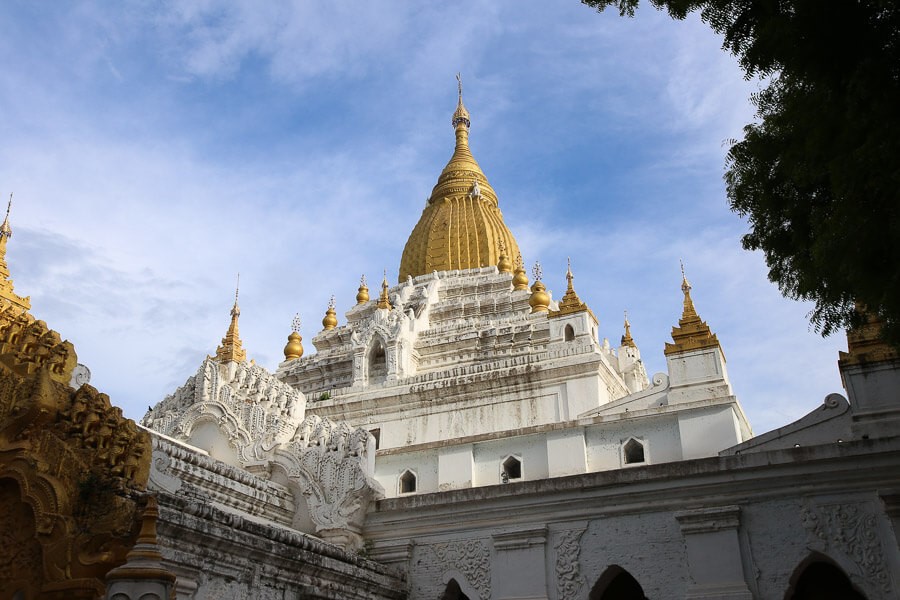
[(570, 333), (617, 584), (407, 482), (820, 579), (453, 592), (634, 452), (377, 363)]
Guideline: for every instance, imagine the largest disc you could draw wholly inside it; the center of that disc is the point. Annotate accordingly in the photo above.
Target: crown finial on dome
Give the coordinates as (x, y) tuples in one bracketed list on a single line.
[(383, 300), (461, 115), (362, 294), (294, 348), (520, 278), (540, 299), (231, 347), (330, 320), (689, 309)]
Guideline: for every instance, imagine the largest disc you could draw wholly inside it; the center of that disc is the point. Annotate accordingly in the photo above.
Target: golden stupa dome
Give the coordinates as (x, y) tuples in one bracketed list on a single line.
[(540, 299), (330, 321), (462, 226), (362, 295), (520, 278)]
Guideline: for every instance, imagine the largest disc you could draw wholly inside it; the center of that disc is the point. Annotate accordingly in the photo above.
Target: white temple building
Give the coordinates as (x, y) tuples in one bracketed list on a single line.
[(463, 435)]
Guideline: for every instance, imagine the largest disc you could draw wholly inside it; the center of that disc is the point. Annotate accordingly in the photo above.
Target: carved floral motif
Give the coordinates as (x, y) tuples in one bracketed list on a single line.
[(471, 558), (569, 579), (853, 531)]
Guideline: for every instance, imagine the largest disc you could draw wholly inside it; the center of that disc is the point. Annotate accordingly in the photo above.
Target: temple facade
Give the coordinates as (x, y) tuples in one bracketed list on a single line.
[(463, 435)]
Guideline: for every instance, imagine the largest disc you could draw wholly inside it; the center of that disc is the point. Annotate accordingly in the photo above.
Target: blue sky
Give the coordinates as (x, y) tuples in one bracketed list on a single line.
[(157, 148)]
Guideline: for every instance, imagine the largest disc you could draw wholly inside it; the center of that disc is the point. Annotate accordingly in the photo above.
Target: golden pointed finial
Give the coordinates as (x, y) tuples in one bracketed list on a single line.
[(504, 265), (294, 348), (520, 278), (570, 302), (330, 321), (5, 229), (692, 332), (461, 115), (627, 340), (540, 299), (8, 297), (383, 300), (362, 295), (231, 347)]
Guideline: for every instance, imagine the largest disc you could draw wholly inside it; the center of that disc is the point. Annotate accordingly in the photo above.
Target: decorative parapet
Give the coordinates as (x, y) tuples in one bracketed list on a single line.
[(251, 407), (76, 463)]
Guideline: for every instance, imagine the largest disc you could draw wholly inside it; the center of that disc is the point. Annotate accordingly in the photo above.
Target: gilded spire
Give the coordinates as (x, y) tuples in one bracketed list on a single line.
[(8, 297), (362, 295), (540, 299), (230, 349), (627, 340), (520, 278), (330, 320), (294, 348), (461, 225), (570, 302), (692, 332), (504, 265), (383, 300)]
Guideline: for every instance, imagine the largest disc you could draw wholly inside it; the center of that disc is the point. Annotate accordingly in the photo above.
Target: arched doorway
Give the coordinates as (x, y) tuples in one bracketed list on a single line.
[(453, 592), (820, 579), (617, 584)]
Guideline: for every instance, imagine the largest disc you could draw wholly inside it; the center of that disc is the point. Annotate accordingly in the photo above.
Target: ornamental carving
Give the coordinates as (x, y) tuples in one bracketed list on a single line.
[(71, 468), (471, 558), (569, 579), (851, 530), (253, 410)]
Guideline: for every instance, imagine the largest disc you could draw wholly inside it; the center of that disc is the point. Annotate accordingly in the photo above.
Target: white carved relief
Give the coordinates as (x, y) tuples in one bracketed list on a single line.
[(569, 579), (471, 558), (851, 530)]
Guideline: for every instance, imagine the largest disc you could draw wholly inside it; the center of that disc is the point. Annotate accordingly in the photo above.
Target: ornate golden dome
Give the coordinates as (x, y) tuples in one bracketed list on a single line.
[(330, 321), (540, 299), (294, 348), (362, 295), (462, 226)]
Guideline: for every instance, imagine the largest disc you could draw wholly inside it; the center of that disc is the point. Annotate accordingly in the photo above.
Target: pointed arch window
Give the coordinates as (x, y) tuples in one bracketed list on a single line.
[(511, 469), (377, 361), (407, 482), (569, 334)]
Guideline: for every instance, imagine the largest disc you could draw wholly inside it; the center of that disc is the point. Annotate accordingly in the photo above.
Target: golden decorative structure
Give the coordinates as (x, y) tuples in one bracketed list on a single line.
[(504, 265), (865, 345), (692, 332), (627, 339), (520, 279), (383, 300), (70, 468), (231, 348), (362, 295), (294, 347), (7, 296), (570, 302), (461, 225), (540, 299), (330, 321)]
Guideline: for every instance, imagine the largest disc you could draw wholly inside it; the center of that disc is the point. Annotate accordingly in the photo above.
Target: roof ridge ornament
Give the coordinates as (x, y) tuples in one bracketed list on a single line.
[(692, 332), (231, 347)]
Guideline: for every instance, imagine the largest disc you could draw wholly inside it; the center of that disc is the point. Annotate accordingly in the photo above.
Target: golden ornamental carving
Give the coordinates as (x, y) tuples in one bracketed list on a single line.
[(70, 460), (627, 340), (520, 278), (540, 299), (383, 301), (692, 332), (461, 226)]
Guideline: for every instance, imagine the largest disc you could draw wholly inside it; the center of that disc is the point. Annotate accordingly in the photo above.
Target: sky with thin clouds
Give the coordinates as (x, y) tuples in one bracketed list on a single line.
[(156, 149)]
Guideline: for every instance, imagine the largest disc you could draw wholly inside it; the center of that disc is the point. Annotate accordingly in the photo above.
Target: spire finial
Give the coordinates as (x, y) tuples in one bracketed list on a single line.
[(461, 116), (330, 321), (685, 285), (294, 348), (520, 278), (536, 271), (362, 294), (383, 300), (231, 347), (627, 340), (504, 265), (569, 276), (540, 299), (5, 229)]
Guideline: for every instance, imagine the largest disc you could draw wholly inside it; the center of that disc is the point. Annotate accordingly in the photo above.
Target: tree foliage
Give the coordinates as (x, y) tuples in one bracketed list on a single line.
[(817, 174)]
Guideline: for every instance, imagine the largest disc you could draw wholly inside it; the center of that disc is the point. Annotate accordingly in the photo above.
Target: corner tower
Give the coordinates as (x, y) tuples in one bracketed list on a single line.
[(462, 226)]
